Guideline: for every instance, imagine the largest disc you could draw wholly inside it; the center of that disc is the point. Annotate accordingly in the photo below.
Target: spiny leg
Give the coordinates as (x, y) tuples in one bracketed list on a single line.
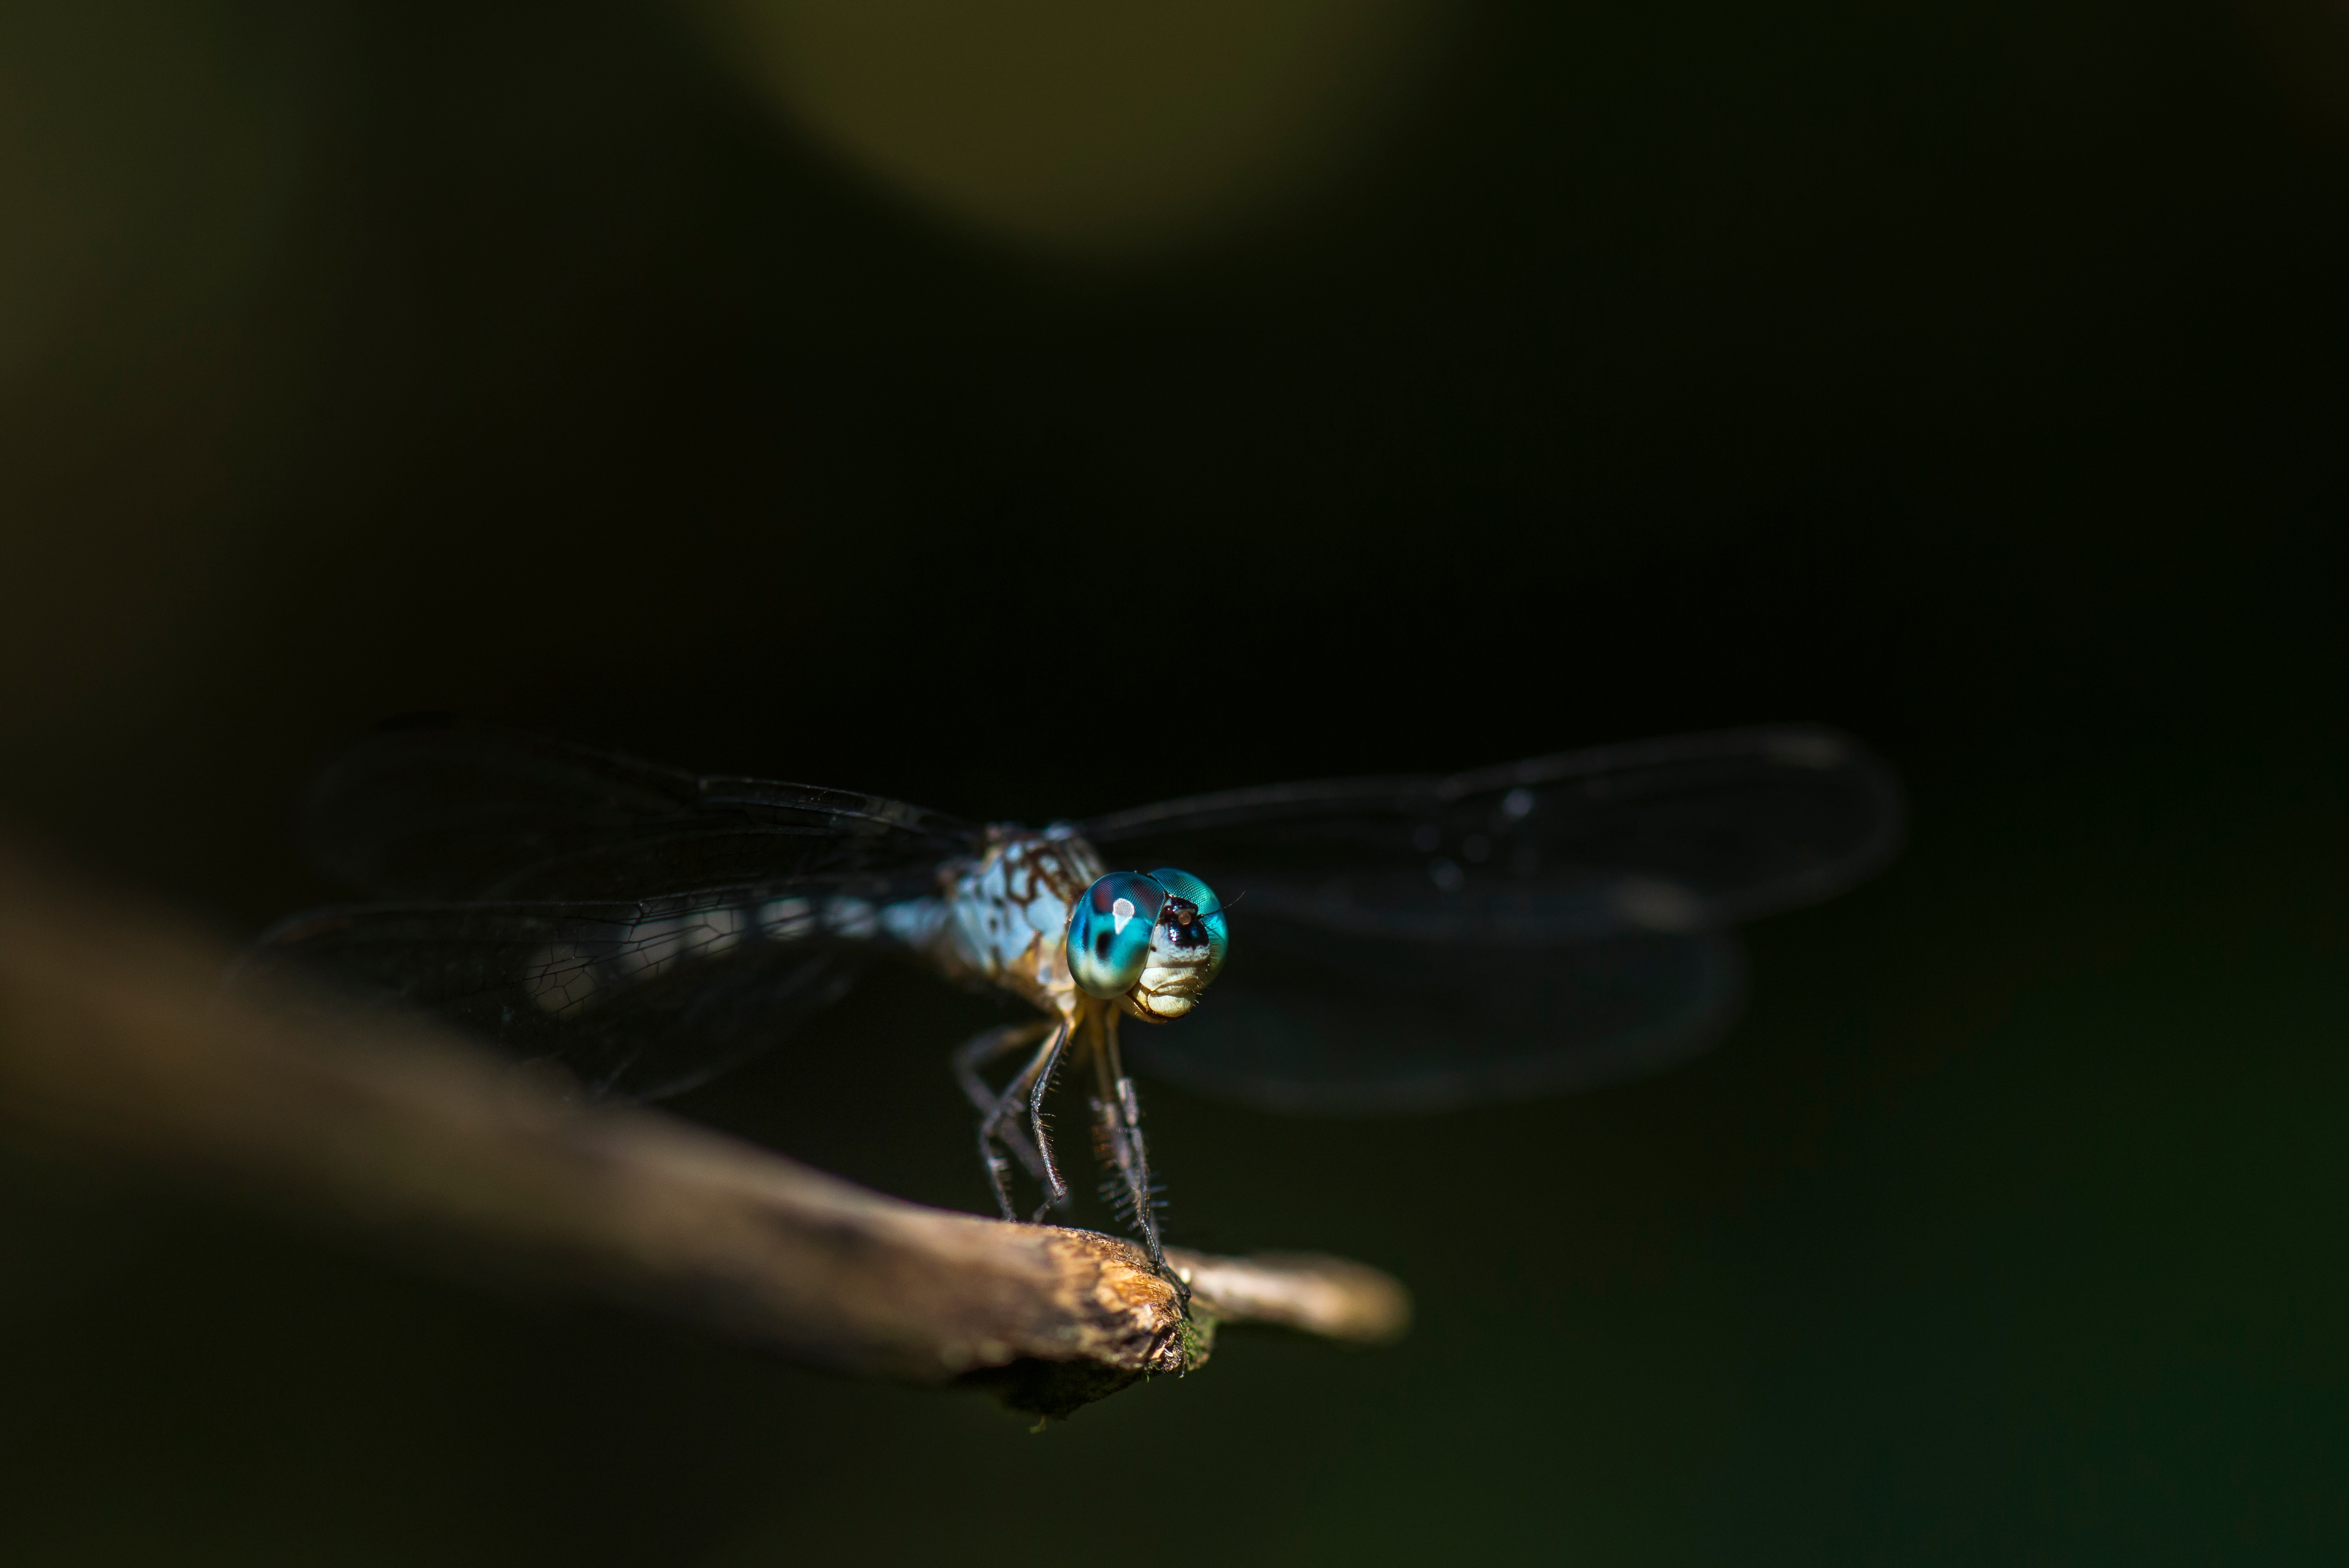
[(1057, 1191), (1118, 1114), (980, 1050), (983, 1048), (998, 1124)]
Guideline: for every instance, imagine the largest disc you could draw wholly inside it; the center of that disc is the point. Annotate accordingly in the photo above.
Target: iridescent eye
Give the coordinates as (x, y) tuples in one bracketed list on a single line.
[(1109, 932), (1192, 891)]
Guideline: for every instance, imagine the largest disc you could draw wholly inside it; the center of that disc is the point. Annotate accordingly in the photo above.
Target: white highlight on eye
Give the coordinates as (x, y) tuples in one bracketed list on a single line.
[(1120, 912)]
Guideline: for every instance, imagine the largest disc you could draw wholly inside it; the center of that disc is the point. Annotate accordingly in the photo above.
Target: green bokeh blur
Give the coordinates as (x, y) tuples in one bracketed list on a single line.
[(1970, 377)]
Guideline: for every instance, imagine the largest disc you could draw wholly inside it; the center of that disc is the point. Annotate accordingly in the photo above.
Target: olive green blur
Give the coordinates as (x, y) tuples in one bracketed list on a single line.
[(1973, 377)]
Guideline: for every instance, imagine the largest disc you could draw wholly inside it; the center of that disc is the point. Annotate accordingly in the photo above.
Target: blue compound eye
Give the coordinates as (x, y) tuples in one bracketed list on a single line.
[(1109, 932), (1209, 910)]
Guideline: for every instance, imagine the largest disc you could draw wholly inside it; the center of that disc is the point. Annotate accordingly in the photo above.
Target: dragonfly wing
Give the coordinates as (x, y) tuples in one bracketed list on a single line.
[(1305, 1021), (1683, 834), (637, 1000), (451, 811)]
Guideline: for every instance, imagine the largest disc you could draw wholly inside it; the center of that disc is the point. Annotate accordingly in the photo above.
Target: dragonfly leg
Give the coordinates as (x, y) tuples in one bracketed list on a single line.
[(1117, 1115), (969, 1058), (1056, 1188), (1001, 1121)]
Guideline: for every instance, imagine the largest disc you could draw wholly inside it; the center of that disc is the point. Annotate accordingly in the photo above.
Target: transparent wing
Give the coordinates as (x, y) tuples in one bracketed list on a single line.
[(1306, 1021), (453, 811), (1688, 833), (637, 1000)]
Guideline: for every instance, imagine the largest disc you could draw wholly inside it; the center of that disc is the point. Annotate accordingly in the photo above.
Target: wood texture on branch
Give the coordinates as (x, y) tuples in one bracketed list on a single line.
[(117, 1036)]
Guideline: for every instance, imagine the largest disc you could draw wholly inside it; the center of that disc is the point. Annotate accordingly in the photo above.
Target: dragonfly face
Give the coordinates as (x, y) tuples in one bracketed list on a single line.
[(1150, 943)]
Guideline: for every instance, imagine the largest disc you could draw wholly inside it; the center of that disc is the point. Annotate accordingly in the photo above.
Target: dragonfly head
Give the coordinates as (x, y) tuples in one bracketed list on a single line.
[(1150, 943)]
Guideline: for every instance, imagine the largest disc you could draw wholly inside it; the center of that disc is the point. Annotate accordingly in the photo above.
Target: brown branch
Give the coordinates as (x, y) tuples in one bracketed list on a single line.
[(117, 1036)]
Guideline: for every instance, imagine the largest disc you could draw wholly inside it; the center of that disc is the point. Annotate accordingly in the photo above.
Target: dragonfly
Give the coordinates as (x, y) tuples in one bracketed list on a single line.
[(1352, 946)]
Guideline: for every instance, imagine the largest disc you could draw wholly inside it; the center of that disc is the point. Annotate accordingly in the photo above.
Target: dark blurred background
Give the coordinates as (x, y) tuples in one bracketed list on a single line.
[(822, 390)]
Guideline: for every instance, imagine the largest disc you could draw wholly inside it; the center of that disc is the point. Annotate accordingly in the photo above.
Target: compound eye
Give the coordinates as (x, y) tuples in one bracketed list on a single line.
[(1109, 932)]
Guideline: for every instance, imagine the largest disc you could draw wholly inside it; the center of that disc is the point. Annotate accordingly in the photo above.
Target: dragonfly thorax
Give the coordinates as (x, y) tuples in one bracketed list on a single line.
[(1007, 915)]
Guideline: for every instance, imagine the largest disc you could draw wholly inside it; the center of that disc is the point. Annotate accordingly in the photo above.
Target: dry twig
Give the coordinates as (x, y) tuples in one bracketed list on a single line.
[(115, 1035)]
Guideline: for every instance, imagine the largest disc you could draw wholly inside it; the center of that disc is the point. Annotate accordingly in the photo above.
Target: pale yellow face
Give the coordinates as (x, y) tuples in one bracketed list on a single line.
[(1182, 961)]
